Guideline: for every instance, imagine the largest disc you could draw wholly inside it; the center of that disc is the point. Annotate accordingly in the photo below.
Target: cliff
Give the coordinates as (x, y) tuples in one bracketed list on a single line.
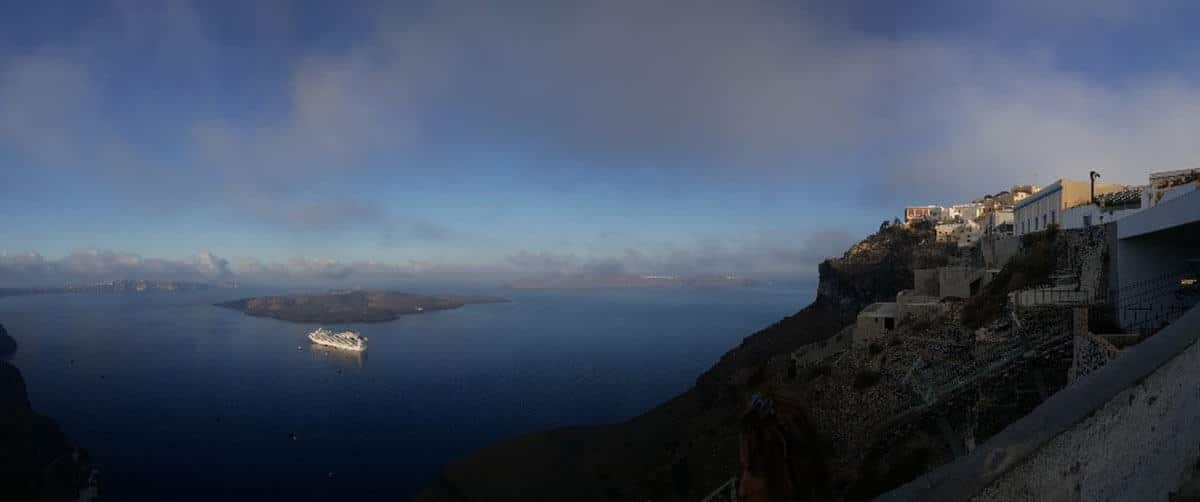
[(37, 462), (7, 344), (687, 446)]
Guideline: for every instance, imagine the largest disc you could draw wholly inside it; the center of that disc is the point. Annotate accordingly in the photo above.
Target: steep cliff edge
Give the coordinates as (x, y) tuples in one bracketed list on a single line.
[(7, 344), (37, 462), (685, 447)]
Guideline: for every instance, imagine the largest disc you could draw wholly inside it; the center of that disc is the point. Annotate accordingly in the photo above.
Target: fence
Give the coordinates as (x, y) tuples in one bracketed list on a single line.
[(727, 492), (1148, 305)]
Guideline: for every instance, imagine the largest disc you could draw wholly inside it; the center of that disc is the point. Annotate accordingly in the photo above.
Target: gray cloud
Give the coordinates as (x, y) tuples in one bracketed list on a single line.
[(766, 258), (769, 256), (102, 265), (744, 90)]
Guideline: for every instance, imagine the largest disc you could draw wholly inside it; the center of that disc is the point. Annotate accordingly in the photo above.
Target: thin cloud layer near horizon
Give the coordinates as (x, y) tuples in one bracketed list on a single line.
[(289, 142)]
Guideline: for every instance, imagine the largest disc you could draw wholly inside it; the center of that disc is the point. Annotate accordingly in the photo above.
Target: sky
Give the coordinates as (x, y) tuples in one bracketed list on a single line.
[(471, 141)]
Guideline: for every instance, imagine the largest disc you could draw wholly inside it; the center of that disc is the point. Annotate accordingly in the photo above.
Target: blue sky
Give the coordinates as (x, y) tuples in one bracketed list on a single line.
[(358, 141)]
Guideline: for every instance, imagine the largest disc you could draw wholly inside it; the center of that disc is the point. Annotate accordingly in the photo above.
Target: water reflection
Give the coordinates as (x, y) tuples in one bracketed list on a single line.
[(338, 357)]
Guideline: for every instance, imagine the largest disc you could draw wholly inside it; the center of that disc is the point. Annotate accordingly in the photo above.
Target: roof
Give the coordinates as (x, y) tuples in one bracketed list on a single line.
[(1040, 194)]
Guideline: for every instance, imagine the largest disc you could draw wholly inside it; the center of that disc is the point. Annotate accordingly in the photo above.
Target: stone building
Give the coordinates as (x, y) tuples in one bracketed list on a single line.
[(874, 322)]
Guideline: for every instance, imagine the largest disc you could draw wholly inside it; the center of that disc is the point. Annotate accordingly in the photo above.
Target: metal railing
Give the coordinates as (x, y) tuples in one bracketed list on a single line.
[(1148, 305), (727, 492)]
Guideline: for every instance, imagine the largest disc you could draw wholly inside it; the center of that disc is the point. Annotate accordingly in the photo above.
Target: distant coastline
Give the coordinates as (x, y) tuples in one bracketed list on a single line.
[(121, 286), (350, 306), (627, 281)]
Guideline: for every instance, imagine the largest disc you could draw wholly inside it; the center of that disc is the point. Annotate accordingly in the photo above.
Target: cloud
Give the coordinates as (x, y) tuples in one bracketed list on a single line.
[(768, 257), (751, 93), (94, 265)]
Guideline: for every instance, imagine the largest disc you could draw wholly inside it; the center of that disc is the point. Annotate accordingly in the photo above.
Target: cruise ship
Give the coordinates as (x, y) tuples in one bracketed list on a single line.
[(347, 340)]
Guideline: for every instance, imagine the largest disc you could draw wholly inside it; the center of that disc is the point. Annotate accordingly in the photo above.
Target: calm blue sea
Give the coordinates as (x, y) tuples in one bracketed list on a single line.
[(179, 400)]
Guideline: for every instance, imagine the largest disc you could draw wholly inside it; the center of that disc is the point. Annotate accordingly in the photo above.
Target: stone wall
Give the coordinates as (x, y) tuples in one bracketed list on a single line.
[(1085, 252), (1127, 431), (956, 281), (814, 353), (874, 322), (1091, 353), (997, 251), (910, 304)]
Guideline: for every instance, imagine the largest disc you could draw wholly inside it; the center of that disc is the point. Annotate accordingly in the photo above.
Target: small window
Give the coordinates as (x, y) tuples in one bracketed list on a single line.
[(889, 323)]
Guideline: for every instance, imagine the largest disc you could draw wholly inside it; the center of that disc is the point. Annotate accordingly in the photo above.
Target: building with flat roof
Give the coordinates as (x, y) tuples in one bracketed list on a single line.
[(1045, 207), (919, 213), (874, 322)]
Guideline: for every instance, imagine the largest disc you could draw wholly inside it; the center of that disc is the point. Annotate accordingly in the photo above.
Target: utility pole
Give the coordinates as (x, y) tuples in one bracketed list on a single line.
[(1093, 175)]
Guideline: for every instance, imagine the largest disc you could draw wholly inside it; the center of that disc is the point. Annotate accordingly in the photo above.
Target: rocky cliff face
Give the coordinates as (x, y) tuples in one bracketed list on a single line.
[(37, 462), (687, 446), (7, 344)]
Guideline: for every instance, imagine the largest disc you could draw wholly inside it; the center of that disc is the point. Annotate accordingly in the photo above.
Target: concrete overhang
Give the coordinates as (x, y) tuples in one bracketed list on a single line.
[(1164, 216)]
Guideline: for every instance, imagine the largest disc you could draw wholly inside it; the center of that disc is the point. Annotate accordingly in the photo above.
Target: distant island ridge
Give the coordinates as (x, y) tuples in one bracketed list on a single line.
[(118, 286), (351, 306), (598, 281)]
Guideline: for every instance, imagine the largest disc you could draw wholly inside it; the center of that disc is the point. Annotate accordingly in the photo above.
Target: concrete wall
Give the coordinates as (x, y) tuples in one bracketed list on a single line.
[(1139, 446), (909, 304), (1127, 431), (1172, 213), (873, 323), (997, 252), (925, 282), (1152, 246), (1074, 217), (956, 281)]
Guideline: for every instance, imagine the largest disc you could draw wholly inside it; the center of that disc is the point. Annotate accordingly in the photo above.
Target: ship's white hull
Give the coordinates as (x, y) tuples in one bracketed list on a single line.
[(346, 340)]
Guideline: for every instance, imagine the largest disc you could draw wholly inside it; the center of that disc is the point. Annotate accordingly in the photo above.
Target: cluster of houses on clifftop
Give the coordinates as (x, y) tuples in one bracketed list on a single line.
[(1066, 203), (995, 225), (967, 223)]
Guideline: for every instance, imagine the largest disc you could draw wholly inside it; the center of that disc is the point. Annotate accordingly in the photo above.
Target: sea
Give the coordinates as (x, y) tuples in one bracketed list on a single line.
[(178, 400)]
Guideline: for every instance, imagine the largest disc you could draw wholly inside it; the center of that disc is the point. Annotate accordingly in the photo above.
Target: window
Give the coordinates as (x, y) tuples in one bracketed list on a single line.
[(1051, 216), (889, 323), (1087, 220)]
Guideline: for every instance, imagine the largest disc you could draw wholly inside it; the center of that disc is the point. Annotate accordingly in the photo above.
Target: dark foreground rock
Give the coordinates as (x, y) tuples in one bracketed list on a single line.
[(687, 446), (351, 306), (7, 344), (37, 462)]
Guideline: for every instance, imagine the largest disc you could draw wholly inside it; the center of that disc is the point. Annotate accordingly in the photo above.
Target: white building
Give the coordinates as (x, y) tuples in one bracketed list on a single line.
[(964, 211), (1167, 185), (1044, 208), (964, 233), (1112, 207), (998, 222)]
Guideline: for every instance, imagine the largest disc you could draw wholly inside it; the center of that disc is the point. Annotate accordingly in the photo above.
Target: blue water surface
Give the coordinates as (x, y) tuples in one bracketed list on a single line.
[(178, 400)]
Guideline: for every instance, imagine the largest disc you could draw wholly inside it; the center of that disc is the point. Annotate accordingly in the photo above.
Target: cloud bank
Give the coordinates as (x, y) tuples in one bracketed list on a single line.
[(274, 112), (766, 259)]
